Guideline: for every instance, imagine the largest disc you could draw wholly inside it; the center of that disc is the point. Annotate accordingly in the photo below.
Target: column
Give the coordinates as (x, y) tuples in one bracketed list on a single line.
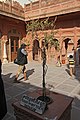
[(19, 43), (31, 6), (76, 57), (61, 45), (39, 6), (5, 54), (9, 50)]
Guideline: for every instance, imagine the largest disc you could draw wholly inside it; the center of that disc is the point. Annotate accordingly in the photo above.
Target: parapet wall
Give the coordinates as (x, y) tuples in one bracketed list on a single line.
[(47, 8), (12, 9)]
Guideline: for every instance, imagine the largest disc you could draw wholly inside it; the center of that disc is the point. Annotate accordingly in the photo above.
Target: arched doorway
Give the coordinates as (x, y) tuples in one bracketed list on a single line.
[(35, 49), (13, 44), (55, 49), (67, 49)]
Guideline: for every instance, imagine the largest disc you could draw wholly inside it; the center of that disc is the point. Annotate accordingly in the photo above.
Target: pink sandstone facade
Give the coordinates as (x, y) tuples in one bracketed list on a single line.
[(13, 20), (12, 29)]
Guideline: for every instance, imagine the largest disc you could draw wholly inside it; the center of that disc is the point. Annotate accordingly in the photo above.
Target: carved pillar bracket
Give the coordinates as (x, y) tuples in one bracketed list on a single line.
[(5, 54)]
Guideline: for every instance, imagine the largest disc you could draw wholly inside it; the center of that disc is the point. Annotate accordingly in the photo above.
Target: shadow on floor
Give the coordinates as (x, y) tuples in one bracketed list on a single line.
[(76, 72)]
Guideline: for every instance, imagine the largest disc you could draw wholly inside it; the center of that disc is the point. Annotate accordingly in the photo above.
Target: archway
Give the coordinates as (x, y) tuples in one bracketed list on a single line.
[(35, 49), (67, 48), (55, 49), (13, 44)]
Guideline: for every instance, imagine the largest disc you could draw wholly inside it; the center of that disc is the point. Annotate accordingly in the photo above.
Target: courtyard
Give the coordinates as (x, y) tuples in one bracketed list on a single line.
[(57, 80)]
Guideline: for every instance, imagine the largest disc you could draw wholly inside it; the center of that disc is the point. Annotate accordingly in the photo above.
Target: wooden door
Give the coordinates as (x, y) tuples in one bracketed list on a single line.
[(14, 47)]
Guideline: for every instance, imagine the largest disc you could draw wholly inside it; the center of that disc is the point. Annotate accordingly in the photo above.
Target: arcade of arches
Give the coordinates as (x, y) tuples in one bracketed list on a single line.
[(67, 46)]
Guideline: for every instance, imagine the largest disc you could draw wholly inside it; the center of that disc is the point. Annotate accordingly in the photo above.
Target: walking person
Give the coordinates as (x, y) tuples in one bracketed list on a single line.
[(71, 65), (22, 61)]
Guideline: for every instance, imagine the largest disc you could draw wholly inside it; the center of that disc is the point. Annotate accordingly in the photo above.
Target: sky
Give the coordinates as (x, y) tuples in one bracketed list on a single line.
[(22, 2)]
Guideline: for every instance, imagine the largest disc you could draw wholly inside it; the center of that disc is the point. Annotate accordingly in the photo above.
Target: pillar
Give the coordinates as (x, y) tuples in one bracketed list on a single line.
[(60, 33), (5, 54), (75, 46), (19, 43), (9, 50)]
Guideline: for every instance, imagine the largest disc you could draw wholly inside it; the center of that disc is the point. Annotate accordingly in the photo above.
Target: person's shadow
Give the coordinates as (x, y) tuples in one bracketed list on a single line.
[(67, 69), (76, 72), (30, 72)]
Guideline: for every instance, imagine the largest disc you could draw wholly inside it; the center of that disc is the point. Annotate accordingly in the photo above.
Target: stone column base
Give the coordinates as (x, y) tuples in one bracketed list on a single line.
[(5, 61)]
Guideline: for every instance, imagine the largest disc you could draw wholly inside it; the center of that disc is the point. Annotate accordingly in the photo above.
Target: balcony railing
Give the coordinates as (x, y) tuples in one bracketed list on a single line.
[(39, 9), (50, 8)]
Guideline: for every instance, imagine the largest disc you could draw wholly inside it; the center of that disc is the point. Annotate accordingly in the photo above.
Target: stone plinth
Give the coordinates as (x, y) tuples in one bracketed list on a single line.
[(59, 109)]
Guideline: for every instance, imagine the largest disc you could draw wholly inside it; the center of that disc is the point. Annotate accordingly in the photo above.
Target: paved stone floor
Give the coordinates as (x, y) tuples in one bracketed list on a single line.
[(57, 79)]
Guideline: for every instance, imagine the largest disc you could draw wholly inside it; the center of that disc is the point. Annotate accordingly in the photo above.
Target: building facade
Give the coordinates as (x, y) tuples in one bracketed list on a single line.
[(67, 24), (12, 30), (13, 20)]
